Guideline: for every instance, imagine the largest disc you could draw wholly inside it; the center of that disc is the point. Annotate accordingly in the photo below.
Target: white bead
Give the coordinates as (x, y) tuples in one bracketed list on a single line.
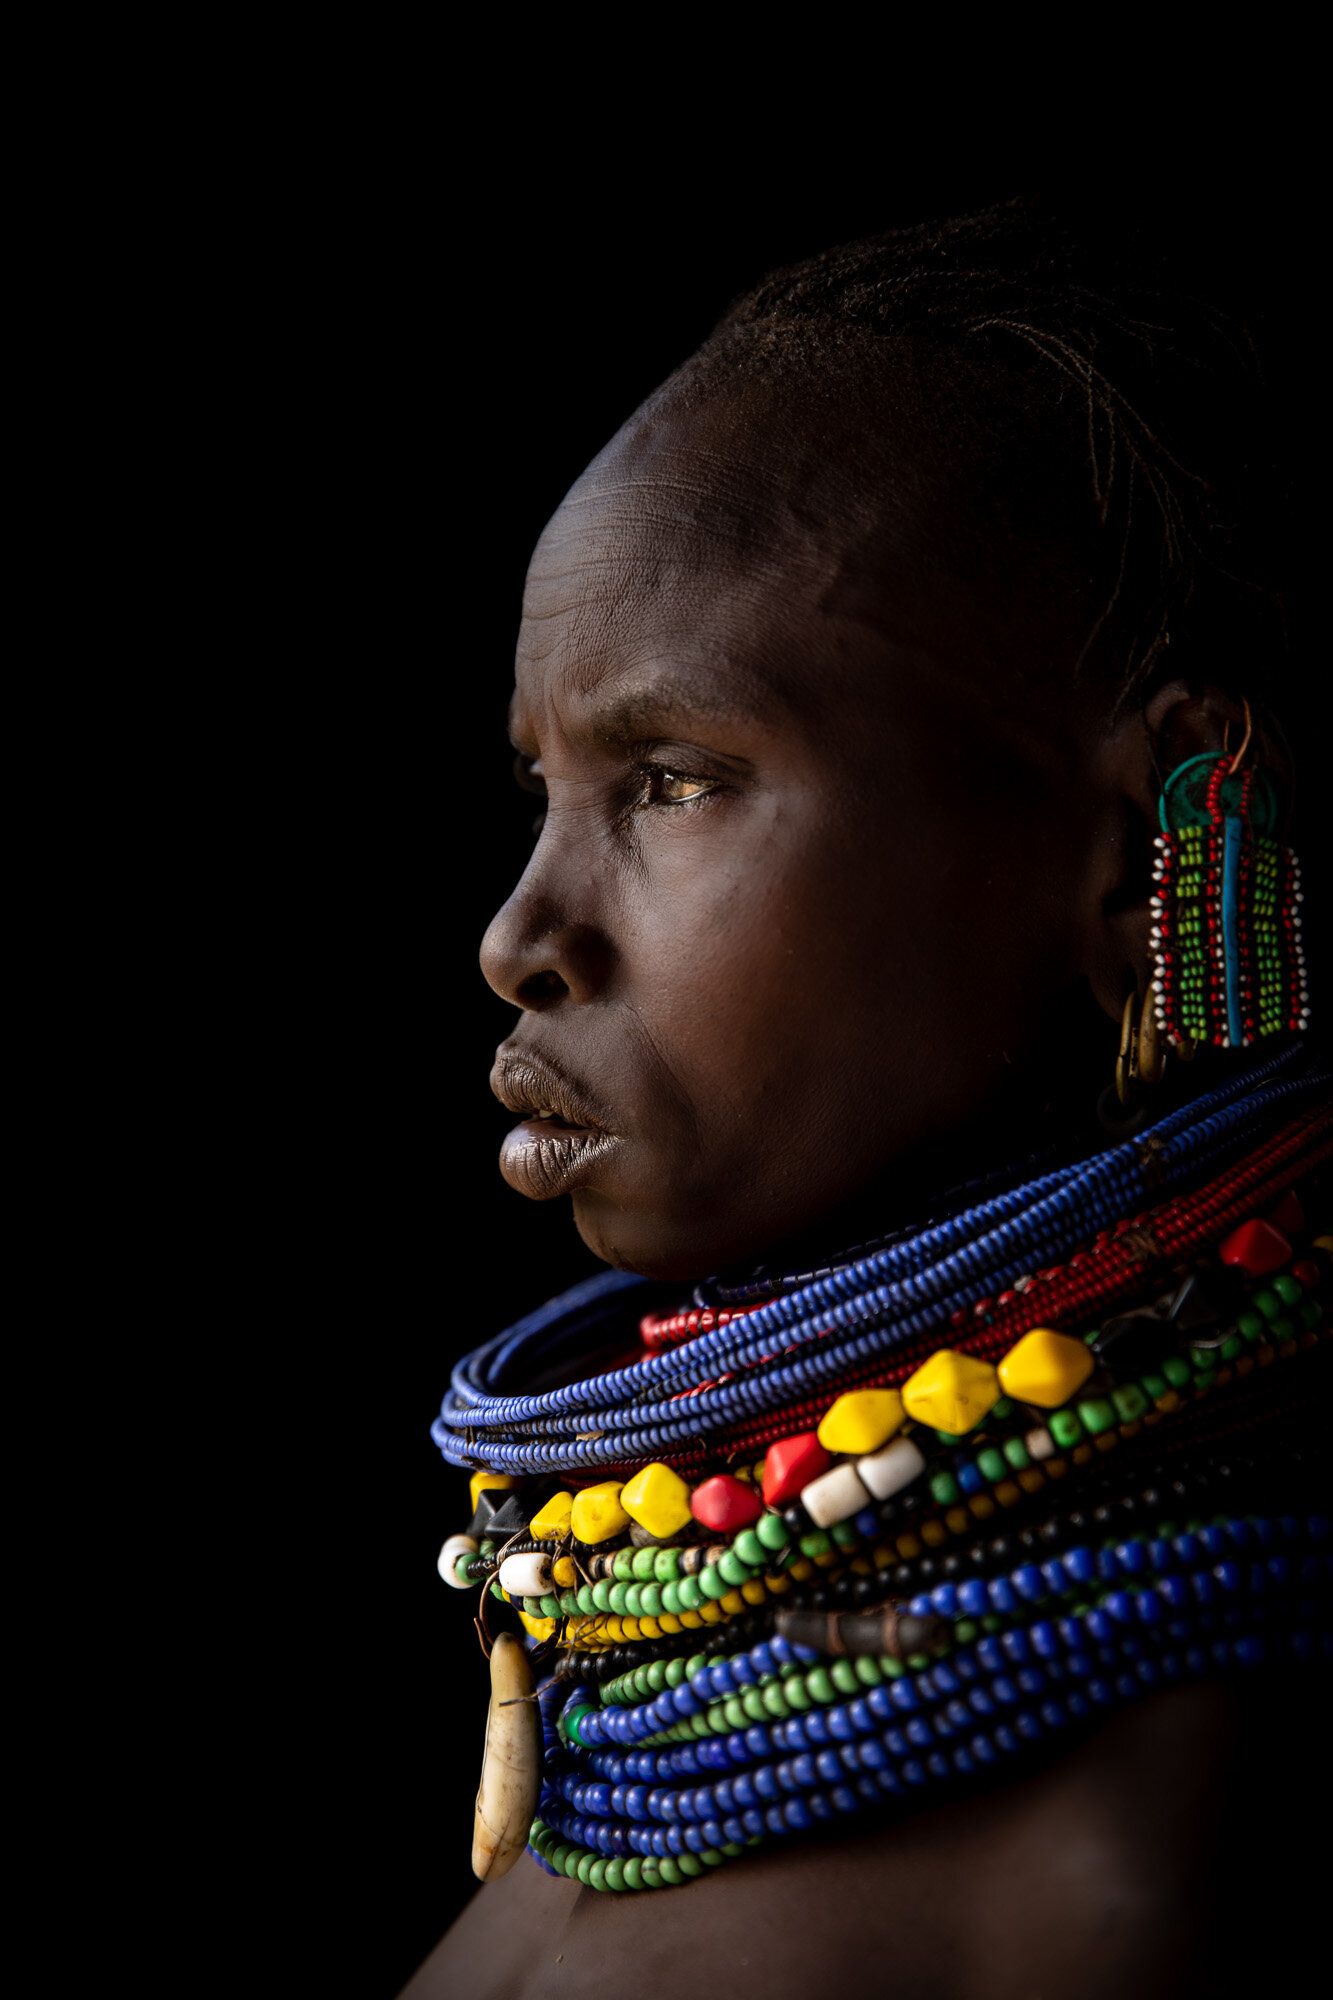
[(834, 1496), (887, 1472), (1040, 1443), (456, 1546), (526, 1575)]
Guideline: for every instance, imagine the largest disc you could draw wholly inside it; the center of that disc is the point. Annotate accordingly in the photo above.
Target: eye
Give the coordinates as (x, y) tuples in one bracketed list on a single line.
[(528, 774), (673, 788), (530, 777)]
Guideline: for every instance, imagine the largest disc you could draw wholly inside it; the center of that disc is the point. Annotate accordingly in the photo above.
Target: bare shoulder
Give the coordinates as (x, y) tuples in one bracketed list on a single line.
[(1117, 1870)]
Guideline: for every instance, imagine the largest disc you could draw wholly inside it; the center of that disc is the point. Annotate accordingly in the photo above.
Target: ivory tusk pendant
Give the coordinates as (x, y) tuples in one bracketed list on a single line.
[(510, 1767)]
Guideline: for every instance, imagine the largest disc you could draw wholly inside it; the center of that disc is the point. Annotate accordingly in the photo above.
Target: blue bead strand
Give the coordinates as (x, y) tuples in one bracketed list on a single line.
[(988, 1700), (851, 1315)]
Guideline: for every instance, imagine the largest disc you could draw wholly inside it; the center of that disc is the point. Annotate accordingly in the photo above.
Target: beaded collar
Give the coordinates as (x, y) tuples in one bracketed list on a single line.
[(918, 1516)]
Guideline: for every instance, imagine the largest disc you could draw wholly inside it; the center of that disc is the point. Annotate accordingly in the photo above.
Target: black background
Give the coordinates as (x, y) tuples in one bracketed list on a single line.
[(442, 362)]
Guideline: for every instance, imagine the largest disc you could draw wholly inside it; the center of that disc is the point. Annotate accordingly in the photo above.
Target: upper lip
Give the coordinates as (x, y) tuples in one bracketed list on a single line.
[(530, 1085)]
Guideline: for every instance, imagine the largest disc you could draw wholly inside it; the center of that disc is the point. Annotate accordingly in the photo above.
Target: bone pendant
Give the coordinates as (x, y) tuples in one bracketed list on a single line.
[(511, 1765)]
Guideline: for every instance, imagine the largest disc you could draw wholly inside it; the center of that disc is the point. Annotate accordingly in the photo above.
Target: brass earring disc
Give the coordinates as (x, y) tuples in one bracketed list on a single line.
[(1124, 1062), (1150, 1054)]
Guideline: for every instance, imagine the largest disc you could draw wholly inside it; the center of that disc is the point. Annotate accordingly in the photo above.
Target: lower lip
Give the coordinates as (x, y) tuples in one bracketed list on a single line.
[(541, 1159)]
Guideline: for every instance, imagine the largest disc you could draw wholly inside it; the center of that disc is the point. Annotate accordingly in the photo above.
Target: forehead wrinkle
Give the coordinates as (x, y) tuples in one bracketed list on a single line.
[(614, 711)]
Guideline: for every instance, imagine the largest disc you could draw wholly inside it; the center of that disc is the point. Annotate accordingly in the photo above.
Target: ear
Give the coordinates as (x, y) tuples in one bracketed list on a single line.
[(1131, 764)]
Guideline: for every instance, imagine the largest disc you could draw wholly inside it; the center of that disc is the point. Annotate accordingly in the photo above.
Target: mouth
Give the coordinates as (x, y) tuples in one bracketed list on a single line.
[(560, 1137)]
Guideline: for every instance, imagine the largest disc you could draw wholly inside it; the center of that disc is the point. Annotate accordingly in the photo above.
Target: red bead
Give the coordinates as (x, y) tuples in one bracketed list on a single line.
[(1309, 1273), (1288, 1216), (791, 1464), (1256, 1247), (725, 1505)]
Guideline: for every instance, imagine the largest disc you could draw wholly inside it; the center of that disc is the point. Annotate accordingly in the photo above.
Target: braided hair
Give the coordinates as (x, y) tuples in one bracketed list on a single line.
[(1105, 428)]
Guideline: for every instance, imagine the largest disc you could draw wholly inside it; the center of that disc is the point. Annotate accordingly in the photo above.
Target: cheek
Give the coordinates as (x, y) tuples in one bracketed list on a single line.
[(798, 966)]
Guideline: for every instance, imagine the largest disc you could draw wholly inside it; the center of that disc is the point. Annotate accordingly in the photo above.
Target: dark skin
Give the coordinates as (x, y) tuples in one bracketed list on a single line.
[(819, 871)]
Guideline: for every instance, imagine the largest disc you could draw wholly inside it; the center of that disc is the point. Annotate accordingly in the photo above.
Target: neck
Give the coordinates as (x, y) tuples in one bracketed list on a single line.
[(1045, 1116)]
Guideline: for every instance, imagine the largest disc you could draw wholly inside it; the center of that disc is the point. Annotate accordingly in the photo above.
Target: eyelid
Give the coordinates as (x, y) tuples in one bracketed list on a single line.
[(528, 774)]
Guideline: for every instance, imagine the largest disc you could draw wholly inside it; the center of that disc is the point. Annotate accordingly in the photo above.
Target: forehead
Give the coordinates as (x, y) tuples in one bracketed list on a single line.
[(753, 556), (697, 545)]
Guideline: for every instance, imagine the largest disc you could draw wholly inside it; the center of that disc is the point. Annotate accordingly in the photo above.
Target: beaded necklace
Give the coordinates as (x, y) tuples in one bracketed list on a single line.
[(804, 1559)]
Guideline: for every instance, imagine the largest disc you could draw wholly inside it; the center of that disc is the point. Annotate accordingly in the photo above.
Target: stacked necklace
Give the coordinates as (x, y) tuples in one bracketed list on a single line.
[(909, 1517)]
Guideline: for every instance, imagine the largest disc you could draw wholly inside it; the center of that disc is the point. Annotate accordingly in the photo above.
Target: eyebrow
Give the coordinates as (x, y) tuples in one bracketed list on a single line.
[(627, 714)]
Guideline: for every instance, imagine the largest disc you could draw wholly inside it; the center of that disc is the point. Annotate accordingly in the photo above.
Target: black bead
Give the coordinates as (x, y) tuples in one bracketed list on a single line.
[(1000, 1550), (488, 1506), (1051, 1531), (927, 1569), (902, 1577), (1134, 1343), (950, 1565), (511, 1517), (1208, 1298), (796, 1520)]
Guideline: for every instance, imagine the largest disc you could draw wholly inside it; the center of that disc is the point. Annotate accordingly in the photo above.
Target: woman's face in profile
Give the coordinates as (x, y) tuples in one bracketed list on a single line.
[(808, 873)]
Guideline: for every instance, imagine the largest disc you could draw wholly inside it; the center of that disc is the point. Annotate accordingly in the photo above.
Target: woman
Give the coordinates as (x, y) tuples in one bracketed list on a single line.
[(905, 686)]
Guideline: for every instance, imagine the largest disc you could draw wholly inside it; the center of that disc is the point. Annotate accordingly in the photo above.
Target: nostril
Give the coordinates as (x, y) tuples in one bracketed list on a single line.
[(540, 989)]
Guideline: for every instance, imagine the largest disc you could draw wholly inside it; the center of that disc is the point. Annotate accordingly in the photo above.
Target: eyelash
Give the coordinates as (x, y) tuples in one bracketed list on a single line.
[(648, 772)]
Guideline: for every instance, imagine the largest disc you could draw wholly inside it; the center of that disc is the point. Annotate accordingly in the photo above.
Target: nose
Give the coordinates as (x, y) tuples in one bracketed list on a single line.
[(537, 953)]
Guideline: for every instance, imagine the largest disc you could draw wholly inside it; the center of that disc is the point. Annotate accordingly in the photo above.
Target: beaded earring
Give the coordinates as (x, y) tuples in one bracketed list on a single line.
[(1225, 934)]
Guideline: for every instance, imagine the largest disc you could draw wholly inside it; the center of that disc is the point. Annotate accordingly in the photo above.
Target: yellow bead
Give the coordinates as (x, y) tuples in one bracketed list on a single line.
[(649, 1628), (597, 1512), (540, 1628), (690, 1620), (658, 1499), (933, 1532), (1046, 1368), (1007, 1492), (776, 1586), (753, 1590), (564, 1572), (862, 1420), (1031, 1479), (957, 1519), (629, 1628), (669, 1622), (711, 1612), (981, 1506), (551, 1519), (909, 1548), (801, 1570), (732, 1603), (489, 1482), (951, 1391)]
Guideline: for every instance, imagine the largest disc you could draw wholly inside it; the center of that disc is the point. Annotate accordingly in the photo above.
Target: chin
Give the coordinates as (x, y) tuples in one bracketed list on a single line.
[(651, 1246)]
